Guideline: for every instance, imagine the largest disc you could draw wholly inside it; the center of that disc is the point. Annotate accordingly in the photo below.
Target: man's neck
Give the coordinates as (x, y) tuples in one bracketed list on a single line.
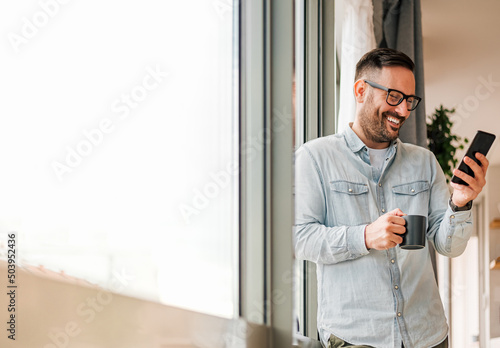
[(361, 135)]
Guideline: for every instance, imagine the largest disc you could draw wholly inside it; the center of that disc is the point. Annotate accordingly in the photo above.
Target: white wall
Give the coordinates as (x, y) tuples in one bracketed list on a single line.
[(461, 51), (494, 248), (461, 54)]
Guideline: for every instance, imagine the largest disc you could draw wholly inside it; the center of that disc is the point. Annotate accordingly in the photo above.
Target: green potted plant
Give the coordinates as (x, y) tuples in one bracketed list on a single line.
[(442, 142)]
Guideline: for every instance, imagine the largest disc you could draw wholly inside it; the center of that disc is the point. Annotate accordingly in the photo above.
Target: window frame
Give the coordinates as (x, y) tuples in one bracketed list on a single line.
[(319, 118), (266, 209)]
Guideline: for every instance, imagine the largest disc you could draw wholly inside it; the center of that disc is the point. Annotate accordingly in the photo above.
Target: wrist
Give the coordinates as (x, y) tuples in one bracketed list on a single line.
[(459, 206), (366, 241)]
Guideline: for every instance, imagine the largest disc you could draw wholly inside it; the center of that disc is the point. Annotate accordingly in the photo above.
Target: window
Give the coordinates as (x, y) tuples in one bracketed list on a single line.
[(119, 145), (316, 59)]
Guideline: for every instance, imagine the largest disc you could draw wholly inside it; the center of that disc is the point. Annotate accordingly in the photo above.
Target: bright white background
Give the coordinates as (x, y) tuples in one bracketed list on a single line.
[(120, 209)]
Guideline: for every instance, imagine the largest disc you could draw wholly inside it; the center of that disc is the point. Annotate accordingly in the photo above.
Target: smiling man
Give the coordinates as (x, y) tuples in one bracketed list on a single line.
[(351, 192)]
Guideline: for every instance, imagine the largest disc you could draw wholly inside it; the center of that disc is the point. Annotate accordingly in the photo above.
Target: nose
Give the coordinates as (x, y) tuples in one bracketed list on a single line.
[(402, 109)]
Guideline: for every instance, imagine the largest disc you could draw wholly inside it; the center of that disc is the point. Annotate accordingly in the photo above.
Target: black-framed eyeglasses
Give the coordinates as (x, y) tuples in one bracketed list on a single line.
[(395, 97)]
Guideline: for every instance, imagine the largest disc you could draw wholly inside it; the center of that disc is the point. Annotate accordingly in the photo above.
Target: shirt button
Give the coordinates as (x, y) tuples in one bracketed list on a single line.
[(449, 237), (379, 185), (452, 217), (392, 261), (412, 190), (399, 314), (350, 190), (383, 210), (396, 287)]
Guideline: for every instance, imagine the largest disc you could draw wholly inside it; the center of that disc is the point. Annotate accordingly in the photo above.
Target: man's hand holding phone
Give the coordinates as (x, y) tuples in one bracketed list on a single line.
[(470, 177), (463, 194)]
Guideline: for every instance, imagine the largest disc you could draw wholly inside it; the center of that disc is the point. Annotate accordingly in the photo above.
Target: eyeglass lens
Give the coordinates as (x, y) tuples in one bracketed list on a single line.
[(394, 98)]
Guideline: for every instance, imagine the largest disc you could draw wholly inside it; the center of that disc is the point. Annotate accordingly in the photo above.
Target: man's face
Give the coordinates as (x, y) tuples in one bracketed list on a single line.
[(380, 121)]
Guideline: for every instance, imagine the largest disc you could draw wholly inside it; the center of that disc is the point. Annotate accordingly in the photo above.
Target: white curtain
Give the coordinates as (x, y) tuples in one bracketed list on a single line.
[(357, 38)]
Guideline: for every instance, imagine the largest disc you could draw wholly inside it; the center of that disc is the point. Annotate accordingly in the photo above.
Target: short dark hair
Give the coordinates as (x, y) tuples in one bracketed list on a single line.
[(376, 59)]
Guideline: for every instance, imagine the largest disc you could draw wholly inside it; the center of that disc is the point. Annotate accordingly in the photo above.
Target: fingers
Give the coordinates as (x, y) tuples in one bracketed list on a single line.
[(395, 224), (386, 231), (467, 193), (396, 240), (392, 240), (479, 170), (396, 212), (394, 217), (466, 190), (477, 182), (484, 161), (387, 241), (389, 244), (399, 229), (473, 182)]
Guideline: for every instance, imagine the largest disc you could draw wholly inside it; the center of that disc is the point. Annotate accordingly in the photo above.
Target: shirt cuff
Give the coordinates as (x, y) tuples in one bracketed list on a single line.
[(356, 241), (450, 203), (457, 217), (457, 222)]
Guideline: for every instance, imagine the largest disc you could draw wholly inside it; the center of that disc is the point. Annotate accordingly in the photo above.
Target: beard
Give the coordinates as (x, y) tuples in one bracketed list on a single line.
[(374, 124)]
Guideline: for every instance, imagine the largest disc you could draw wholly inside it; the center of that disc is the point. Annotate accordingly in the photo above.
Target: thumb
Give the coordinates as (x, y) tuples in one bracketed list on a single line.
[(396, 212)]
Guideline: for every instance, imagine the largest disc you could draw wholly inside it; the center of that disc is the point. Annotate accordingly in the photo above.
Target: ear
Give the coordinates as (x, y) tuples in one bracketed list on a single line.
[(360, 90)]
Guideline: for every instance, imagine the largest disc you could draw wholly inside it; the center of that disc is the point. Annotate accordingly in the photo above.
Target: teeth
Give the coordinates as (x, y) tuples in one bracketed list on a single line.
[(393, 120)]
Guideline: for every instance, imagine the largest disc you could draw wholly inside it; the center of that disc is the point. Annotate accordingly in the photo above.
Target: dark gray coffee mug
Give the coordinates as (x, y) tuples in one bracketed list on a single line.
[(414, 237)]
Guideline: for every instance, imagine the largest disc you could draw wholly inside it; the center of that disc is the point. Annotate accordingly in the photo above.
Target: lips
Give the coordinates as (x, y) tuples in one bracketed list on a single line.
[(394, 121)]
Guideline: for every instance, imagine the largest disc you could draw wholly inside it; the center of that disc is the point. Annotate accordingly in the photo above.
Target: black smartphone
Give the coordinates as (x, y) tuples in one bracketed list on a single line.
[(481, 143)]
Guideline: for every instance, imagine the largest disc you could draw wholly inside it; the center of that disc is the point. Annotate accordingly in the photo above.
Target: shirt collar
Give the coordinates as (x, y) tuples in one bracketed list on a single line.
[(355, 144)]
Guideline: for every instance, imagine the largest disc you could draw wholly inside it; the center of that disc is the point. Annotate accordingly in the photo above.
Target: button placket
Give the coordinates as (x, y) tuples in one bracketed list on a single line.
[(395, 275), (380, 197)]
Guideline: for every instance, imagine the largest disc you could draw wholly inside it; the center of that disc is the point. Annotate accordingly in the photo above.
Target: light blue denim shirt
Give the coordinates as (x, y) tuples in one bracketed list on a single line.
[(372, 297)]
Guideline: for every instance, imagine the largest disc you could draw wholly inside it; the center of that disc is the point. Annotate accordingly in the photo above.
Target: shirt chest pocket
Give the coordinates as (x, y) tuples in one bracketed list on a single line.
[(350, 203), (412, 198)]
